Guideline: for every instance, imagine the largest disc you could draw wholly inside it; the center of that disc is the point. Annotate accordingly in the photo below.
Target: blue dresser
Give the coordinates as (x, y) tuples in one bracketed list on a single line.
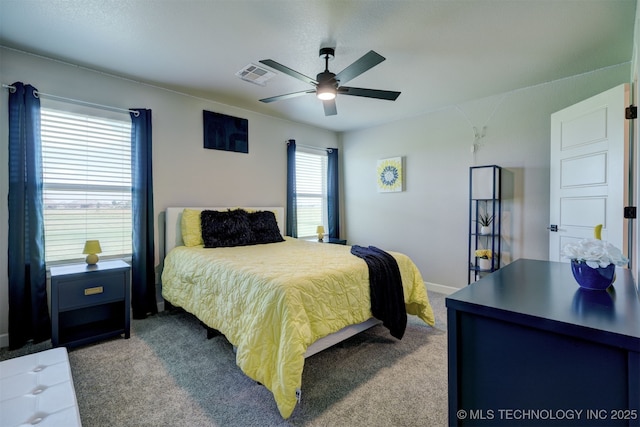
[(528, 347)]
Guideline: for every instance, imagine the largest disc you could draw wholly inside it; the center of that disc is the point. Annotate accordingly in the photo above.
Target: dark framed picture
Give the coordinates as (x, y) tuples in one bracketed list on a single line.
[(223, 132)]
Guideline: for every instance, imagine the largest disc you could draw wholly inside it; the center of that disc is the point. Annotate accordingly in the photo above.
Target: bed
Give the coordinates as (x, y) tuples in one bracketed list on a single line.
[(275, 302)]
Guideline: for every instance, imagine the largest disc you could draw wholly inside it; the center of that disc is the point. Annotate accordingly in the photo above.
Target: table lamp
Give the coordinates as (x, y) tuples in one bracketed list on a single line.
[(92, 249), (320, 231)]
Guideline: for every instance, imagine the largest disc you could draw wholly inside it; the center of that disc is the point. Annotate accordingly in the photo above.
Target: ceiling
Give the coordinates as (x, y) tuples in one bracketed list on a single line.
[(438, 53)]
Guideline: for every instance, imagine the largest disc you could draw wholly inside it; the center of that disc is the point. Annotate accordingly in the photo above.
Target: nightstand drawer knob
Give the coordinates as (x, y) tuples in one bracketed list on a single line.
[(94, 291)]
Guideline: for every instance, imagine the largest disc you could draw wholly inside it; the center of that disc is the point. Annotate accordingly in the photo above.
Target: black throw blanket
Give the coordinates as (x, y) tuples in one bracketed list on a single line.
[(385, 284)]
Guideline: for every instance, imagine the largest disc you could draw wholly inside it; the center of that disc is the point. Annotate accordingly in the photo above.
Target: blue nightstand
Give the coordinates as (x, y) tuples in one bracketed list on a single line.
[(89, 303)]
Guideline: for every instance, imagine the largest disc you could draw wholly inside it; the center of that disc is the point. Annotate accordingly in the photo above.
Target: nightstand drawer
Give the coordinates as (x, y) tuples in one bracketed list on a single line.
[(82, 292)]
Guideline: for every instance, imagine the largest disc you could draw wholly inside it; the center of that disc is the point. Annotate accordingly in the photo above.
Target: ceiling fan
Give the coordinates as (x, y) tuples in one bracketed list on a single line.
[(327, 84)]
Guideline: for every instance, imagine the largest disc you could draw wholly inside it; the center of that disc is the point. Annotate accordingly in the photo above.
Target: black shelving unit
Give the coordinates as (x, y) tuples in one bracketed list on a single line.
[(484, 199)]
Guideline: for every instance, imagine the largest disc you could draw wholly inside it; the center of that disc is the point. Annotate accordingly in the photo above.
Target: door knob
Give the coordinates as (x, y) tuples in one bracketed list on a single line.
[(552, 227)]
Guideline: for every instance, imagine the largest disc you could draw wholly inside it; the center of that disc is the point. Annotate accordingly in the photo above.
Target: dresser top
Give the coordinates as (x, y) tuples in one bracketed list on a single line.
[(63, 270), (545, 295)]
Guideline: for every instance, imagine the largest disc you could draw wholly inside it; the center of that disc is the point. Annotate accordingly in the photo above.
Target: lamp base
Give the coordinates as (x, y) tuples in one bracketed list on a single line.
[(320, 237), (92, 259)]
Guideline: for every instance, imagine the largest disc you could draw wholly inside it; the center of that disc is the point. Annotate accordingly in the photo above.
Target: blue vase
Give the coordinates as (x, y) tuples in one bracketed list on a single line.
[(593, 278)]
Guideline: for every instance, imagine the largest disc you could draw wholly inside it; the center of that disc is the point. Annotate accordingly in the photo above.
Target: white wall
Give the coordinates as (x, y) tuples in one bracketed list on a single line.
[(429, 221), (184, 172)]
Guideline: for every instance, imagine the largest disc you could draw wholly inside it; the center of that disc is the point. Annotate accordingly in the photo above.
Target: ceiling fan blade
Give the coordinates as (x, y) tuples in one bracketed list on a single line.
[(287, 96), (366, 62), (286, 70), (330, 107), (369, 93)]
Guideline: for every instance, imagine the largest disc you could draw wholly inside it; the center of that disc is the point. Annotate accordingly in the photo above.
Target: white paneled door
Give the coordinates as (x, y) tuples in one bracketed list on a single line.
[(589, 171)]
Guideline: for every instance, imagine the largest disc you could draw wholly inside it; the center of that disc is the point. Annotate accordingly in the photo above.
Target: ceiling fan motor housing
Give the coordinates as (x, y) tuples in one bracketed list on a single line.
[(327, 78), (327, 87)]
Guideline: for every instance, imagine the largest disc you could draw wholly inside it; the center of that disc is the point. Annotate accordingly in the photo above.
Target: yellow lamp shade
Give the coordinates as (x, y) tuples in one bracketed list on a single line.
[(320, 231), (91, 249)]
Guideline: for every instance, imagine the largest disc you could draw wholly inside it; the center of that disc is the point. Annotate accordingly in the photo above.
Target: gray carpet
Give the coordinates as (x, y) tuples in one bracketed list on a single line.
[(169, 374)]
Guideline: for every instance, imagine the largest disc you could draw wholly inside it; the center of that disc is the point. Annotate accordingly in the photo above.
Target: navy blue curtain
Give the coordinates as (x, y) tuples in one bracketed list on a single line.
[(292, 209), (143, 288), (333, 202), (28, 311)]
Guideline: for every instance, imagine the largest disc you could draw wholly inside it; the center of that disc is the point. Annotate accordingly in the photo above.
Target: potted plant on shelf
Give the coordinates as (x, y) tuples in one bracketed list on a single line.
[(485, 220), (484, 258)]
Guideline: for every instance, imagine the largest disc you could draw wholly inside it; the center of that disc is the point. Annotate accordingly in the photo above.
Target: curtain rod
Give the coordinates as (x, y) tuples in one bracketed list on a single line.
[(309, 147), (38, 94)]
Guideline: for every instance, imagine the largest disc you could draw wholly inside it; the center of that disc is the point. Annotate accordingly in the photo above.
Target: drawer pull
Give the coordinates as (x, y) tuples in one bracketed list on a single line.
[(93, 291)]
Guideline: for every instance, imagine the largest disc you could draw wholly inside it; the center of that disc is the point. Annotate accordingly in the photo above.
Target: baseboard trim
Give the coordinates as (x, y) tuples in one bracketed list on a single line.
[(441, 289)]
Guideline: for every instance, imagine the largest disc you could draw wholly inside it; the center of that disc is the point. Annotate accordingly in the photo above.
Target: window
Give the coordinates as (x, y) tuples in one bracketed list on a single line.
[(311, 188), (86, 162)]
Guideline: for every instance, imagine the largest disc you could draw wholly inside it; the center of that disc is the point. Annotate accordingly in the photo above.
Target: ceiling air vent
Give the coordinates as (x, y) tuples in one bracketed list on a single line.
[(254, 74)]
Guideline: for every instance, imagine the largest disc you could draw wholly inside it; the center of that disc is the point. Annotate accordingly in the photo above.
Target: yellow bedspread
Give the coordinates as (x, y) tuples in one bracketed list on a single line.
[(272, 301)]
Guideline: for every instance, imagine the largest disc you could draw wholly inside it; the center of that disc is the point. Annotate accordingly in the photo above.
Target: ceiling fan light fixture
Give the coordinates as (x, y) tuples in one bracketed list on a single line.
[(326, 94), (326, 90)]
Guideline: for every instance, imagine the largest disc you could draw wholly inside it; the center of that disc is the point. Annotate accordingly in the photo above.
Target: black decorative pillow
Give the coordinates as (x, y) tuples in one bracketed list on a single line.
[(264, 227), (225, 228)]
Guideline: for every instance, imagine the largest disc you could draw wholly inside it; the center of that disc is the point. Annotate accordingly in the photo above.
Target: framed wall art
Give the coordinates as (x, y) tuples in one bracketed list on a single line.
[(390, 176), (228, 133)]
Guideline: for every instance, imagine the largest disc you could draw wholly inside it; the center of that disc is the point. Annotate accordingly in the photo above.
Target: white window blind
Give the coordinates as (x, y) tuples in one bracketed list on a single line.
[(87, 184), (311, 192)]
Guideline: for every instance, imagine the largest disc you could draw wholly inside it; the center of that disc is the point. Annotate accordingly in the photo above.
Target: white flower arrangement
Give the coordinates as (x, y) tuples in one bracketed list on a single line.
[(595, 253)]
